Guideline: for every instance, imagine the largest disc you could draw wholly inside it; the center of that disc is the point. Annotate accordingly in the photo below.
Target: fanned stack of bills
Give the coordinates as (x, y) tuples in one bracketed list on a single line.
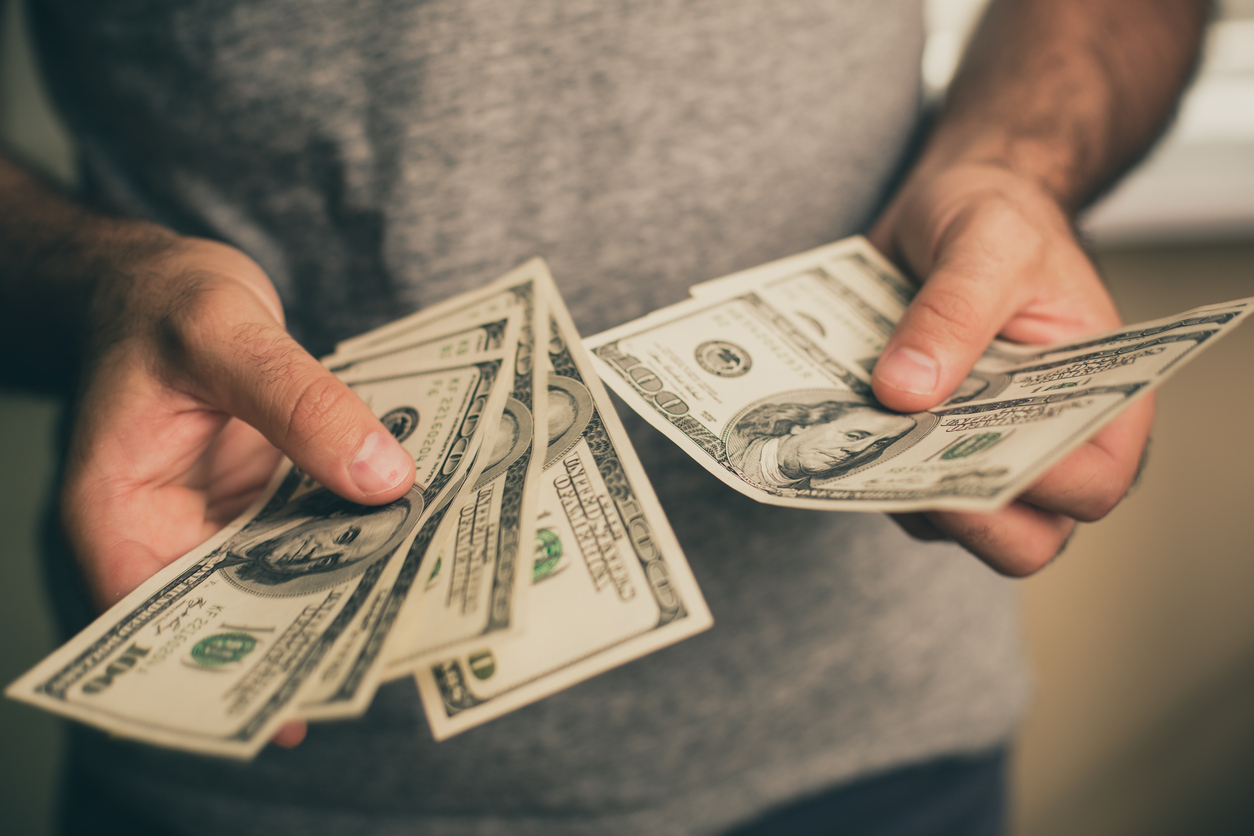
[(530, 554), (763, 377)]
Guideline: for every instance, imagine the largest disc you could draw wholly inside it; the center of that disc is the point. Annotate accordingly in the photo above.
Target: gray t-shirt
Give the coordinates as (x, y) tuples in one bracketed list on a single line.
[(377, 156)]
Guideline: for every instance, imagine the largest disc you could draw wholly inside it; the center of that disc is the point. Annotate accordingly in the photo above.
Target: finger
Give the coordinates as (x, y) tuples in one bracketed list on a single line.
[(982, 272), (919, 527), (258, 373), (1092, 479), (290, 735), (1017, 540)]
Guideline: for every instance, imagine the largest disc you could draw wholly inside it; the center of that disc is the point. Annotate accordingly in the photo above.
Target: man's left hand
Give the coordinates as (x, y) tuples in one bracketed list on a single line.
[(998, 258)]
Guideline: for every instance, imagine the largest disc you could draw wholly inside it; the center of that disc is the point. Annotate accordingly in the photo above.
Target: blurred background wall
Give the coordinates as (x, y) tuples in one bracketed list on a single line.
[(1142, 633)]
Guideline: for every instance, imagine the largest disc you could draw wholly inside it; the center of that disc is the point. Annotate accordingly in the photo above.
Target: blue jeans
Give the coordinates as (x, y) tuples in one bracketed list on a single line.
[(950, 797)]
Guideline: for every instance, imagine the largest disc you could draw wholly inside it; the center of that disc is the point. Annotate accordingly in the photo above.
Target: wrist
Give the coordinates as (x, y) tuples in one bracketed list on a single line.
[(1067, 93), (55, 259), (113, 262), (1056, 171)]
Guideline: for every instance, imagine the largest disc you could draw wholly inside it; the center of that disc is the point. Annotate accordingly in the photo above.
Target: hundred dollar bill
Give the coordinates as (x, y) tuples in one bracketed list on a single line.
[(844, 297), (847, 298), (479, 591), (475, 585), (345, 681), (466, 342), (764, 381), (610, 582), (209, 654), (434, 336), (1149, 351), (443, 317)]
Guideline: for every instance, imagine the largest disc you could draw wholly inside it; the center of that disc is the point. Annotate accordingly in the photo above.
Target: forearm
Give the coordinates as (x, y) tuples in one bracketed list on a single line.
[(54, 254), (1067, 93)]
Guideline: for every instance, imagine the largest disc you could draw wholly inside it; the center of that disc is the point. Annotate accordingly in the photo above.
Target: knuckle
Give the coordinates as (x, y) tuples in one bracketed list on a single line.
[(1001, 242), (948, 314), (1028, 558), (272, 356), (1100, 504), (186, 301), (1007, 225), (318, 412), (1003, 217), (203, 321), (188, 330), (1033, 559), (1100, 495), (1015, 557)]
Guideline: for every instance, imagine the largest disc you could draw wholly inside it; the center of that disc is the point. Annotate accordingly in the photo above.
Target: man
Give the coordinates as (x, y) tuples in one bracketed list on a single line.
[(373, 157), (787, 445)]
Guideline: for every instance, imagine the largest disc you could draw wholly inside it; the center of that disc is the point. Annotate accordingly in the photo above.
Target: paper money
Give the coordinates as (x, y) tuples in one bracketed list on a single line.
[(345, 680), (763, 378), (293, 610), (532, 553), (209, 654), (610, 582), (469, 585)]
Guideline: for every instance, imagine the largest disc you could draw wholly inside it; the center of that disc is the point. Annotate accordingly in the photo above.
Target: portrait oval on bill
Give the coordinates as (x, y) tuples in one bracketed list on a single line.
[(807, 438), (512, 439), (570, 408), (315, 541)]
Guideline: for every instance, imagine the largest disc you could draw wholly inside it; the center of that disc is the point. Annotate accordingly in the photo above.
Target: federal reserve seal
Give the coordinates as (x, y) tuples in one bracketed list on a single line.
[(548, 555), (223, 649), (723, 359)]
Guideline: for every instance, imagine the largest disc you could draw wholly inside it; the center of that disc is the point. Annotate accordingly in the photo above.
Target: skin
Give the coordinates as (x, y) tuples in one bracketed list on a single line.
[(819, 448), (186, 386), (1054, 99)]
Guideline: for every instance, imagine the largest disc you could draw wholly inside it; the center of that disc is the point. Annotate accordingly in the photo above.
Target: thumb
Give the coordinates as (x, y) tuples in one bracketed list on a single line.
[(968, 296), (263, 376)]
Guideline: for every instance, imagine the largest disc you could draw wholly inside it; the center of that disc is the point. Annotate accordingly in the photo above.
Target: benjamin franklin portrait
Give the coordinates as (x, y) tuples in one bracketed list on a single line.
[(789, 444), (316, 540)]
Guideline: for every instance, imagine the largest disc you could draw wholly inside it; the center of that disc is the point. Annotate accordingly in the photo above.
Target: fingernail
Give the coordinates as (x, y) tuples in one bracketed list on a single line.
[(380, 464), (908, 370)]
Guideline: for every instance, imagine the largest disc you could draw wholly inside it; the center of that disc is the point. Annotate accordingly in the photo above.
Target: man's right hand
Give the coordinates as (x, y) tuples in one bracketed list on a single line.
[(190, 390)]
